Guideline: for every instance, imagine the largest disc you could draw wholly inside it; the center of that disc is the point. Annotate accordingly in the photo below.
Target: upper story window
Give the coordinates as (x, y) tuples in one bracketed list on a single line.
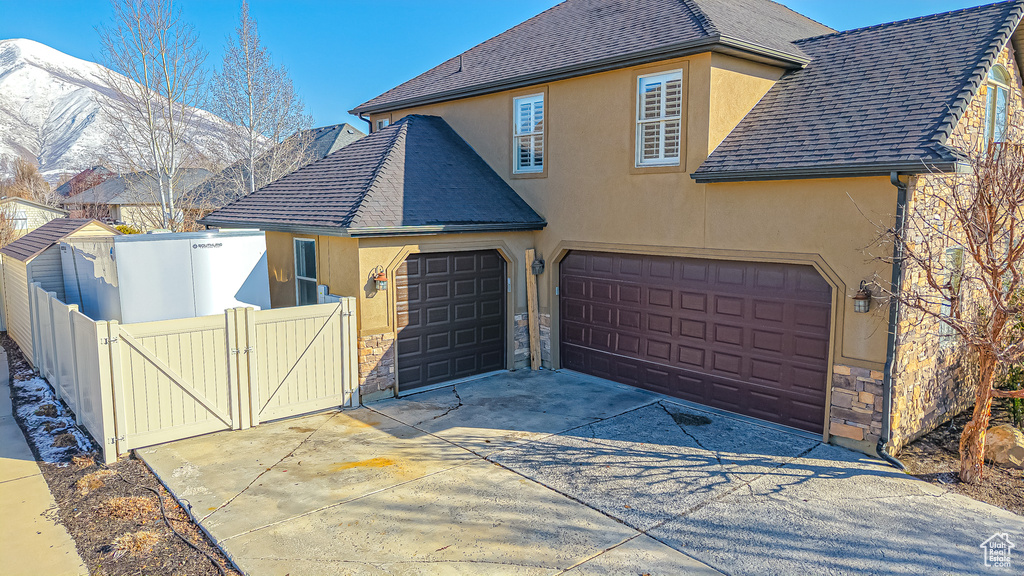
[(20, 220), (305, 271), (528, 112), (996, 104), (383, 123), (659, 119)]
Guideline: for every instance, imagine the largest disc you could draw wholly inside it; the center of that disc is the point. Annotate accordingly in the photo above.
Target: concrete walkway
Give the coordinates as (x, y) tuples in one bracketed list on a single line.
[(34, 541), (557, 473)]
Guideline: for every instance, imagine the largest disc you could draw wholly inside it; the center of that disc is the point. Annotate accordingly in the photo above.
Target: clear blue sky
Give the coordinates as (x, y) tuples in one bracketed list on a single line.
[(341, 53)]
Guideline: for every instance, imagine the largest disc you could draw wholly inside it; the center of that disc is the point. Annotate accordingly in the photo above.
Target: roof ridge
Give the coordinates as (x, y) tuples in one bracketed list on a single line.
[(904, 21), (977, 77), (705, 21), (400, 134)]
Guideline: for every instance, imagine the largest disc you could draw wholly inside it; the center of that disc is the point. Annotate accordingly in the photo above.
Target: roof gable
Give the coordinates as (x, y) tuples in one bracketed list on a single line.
[(135, 188), (872, 100), (35, 242), (415, 174), (580, 37), (36, 205)]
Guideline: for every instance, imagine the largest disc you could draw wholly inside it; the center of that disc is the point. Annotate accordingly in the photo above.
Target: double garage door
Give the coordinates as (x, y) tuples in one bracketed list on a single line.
[(451, 317), (751, 338)]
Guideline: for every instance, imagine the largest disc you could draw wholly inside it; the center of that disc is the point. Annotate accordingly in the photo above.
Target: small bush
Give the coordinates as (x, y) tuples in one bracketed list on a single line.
[(47, 410), (65, 440), (127, 229)]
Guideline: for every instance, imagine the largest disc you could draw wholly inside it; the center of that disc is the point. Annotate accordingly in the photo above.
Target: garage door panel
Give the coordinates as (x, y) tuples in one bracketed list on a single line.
[(747, 337), (457, 328)]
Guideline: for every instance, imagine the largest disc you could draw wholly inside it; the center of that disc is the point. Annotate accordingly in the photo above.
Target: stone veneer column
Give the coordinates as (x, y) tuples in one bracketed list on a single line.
[(376, 367), (856, 403)]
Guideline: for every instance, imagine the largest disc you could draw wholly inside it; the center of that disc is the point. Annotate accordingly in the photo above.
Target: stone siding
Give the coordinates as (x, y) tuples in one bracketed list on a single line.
[(521, 336), (522, 341), (934, 377), (545, 340), (856, 403), (376, 365)]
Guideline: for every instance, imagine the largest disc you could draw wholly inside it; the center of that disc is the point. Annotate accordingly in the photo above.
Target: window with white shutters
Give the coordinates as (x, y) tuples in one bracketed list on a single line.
[(528, 146), (659, 119)]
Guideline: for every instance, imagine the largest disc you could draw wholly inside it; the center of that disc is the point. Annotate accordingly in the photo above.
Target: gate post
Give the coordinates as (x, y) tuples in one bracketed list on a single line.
[(232, 361), (253, 381), (113, 340), (350, 354)]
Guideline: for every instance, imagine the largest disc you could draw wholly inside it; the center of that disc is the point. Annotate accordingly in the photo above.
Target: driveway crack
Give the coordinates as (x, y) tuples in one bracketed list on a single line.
[(718, 458), (453, 408), (275, 465)]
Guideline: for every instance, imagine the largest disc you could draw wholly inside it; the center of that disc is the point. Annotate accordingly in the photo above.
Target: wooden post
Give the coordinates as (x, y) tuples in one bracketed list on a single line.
[(532, 317)]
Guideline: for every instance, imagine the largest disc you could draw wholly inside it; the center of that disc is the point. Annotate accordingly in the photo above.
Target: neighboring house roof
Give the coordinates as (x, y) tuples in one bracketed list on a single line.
[(580, 37), (415, 176), (32, 244), (217, 191), (135, 188), (14, 200), (872, 100), (84, 180)]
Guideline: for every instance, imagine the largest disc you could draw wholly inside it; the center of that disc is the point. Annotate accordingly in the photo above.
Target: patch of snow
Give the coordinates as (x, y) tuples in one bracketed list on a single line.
[(51, 110), (33, 395)]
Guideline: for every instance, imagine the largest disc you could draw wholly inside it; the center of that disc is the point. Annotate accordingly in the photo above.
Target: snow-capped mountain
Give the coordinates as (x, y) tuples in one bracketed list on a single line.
[(51, 112)]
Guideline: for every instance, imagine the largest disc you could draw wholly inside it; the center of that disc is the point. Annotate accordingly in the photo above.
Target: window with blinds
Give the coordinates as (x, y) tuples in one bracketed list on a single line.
[(659, 119), (529, 133)]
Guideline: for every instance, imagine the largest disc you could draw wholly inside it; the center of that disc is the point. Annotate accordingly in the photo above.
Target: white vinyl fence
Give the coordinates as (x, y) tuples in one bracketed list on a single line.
[(133, 385)]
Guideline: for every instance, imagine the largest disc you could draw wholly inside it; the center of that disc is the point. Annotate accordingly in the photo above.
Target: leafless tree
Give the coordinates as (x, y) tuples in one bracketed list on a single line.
[(963, 250), (26, 182), (157, 75), (258, 98), (9, 231)]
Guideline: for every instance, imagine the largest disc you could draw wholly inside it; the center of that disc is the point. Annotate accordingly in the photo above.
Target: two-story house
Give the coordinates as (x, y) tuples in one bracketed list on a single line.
[(702, 179)]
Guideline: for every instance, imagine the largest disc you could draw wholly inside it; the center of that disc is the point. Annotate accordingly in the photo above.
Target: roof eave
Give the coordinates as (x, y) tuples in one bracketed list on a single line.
[(720, 44), (376, 232), (844, 171)]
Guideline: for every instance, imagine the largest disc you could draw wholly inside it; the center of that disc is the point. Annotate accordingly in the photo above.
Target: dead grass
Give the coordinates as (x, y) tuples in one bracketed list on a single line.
[(47, 410), (138, 508), (135, 544), (93, 481)]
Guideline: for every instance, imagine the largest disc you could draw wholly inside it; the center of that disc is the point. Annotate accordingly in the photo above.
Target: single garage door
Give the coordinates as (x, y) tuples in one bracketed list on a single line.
[(751, 338), (451, 317)]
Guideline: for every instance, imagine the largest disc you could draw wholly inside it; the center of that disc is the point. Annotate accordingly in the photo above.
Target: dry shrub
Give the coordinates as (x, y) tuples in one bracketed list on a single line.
[(129, 508), (48, 410), (135, 544), (83, 461), (65, 440), (51, 426), (93, 481)]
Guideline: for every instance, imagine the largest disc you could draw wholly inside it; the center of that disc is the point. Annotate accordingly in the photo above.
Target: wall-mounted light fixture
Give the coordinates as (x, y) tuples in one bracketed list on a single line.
[(379, 279), (862, 299), (537, 267)]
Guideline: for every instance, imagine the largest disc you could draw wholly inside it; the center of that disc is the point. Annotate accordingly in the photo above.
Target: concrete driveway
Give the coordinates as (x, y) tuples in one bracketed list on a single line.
[(559, 473)]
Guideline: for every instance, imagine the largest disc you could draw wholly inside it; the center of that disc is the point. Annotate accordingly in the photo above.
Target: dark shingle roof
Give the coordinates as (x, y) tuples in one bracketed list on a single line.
[(415, 175), (222, 187), (135, 188), (872, 99), (584, 36), (32, 244)]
